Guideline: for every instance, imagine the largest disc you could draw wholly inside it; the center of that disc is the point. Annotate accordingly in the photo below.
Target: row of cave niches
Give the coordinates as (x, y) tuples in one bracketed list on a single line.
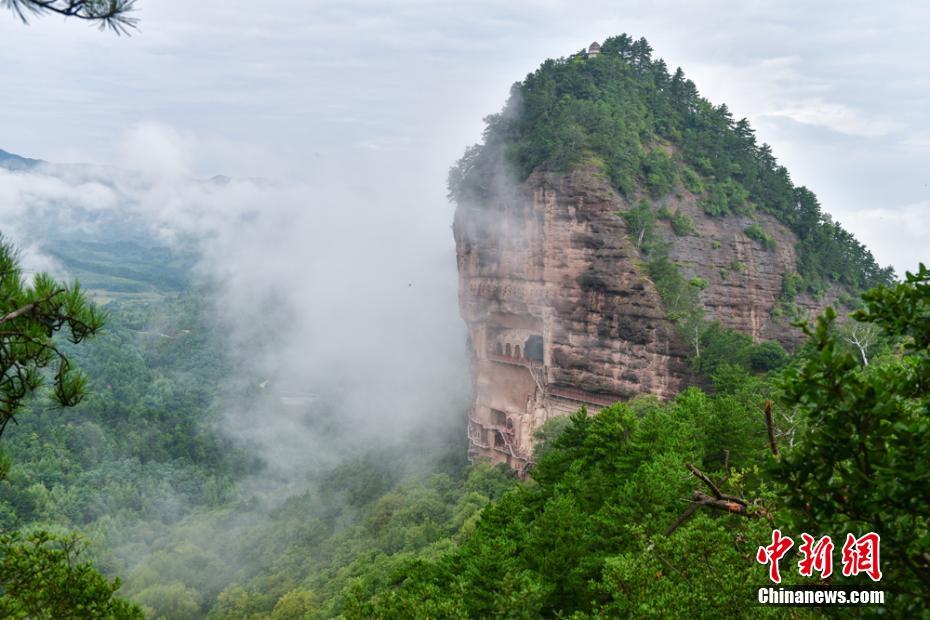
[(531, 349)]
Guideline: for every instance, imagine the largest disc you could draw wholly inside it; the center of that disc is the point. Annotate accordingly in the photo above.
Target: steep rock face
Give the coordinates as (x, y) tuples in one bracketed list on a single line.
[(561, 312), (744, 278)]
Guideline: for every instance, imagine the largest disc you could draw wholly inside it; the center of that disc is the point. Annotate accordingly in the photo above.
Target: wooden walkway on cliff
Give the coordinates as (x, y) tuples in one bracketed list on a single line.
[(516, 361), (582, 396)]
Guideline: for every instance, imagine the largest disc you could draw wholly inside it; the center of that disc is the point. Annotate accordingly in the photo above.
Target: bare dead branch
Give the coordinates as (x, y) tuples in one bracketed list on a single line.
[(703, 478), (727, 505), (718, 501), (687, 514)]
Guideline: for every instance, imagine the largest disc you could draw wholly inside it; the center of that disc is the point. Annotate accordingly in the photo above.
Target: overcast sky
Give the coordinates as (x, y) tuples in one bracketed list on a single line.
[(840, 89)]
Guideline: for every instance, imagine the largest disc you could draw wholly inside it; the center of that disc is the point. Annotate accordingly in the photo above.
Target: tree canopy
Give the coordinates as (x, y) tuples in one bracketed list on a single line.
[(31, 315), (861, 463), (602, 529), (45, 575)]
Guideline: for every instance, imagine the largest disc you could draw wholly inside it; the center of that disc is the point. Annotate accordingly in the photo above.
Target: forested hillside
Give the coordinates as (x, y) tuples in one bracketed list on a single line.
[(186, 513), (650, 131), (600, 529), (180, 511), (604, 528)]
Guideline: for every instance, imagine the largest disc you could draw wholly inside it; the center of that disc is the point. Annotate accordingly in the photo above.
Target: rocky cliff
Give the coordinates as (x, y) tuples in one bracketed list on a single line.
[(609, 221), (562, 313)]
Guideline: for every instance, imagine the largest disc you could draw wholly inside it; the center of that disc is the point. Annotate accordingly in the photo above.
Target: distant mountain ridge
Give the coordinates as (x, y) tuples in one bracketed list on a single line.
[(12, 161), (101, 202), (109, 250)]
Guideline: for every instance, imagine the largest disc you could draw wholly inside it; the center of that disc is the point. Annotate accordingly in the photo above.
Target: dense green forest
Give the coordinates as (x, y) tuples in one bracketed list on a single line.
[(651, 132), (600, 529), (186, 515)]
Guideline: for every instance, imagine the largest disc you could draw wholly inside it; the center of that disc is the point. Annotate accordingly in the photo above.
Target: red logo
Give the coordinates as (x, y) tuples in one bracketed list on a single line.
[(860, 555), (817, 557), (773, 553)]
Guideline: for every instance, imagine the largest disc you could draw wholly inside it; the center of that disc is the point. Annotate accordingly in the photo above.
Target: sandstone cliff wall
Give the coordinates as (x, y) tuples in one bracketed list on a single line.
[(561, 312)]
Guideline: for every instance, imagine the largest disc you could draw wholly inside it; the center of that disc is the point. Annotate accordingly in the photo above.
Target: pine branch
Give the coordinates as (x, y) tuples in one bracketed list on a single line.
[(110, 14), (29, 307)]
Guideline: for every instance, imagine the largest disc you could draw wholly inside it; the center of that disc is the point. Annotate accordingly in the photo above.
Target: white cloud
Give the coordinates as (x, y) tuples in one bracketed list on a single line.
[(899, 235), (777, 87), (836, 116), (346, 277), (156, 150)]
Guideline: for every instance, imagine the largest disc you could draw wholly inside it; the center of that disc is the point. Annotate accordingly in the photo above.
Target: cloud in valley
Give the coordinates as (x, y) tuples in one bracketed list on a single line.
[(345, 278)]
